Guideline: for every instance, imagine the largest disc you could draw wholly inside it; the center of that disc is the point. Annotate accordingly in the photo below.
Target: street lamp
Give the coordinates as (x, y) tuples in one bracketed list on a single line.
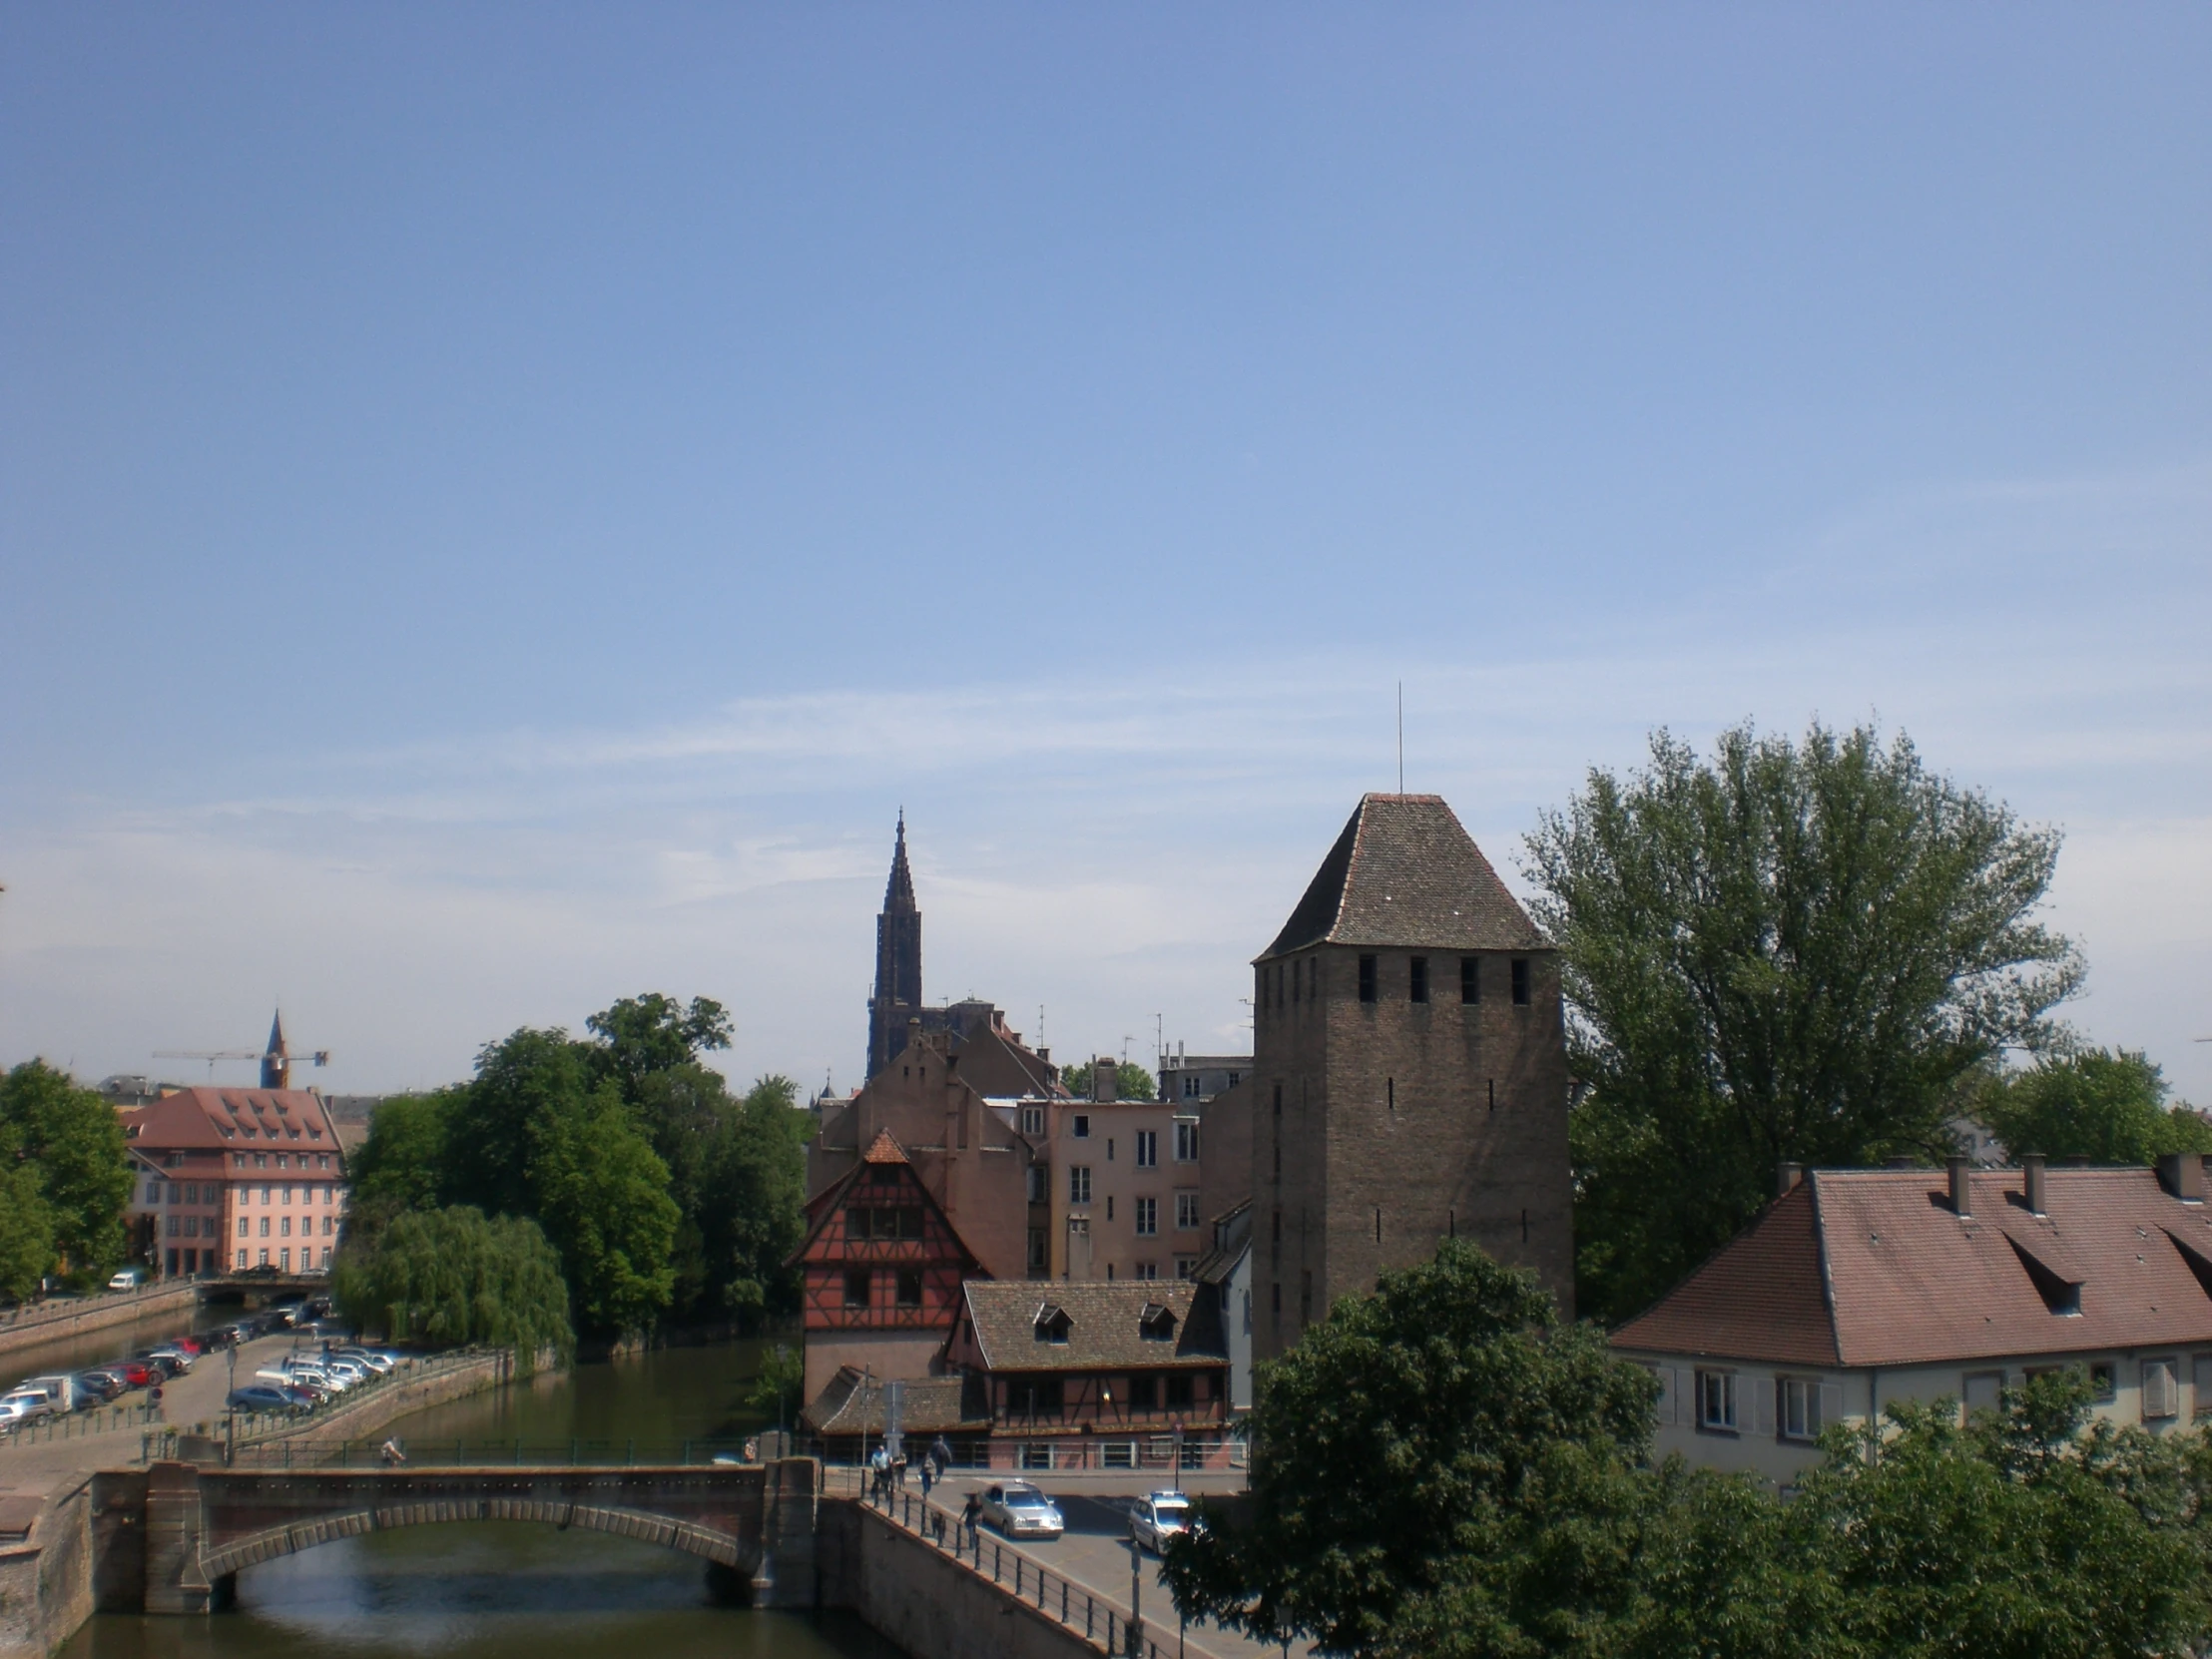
[(1136, 1590)]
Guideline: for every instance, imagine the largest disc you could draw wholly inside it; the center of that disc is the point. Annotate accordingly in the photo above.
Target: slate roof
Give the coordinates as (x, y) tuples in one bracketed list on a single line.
[(931, 1405), (1404, 872), (1865, 1268), (1104, 1333)]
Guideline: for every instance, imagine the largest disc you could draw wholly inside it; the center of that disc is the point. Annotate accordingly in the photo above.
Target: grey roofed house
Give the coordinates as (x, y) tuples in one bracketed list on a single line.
[(853, 1404), (1405, 872), (1147, 1324)]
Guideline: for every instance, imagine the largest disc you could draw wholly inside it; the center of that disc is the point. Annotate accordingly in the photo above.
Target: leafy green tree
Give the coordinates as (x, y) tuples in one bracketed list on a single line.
[(1792, 951), (26, 1227), (640, 1036), (2023, 1535), (2106, 1107), (450, 1276), (753, 1213), (74, 1141), (1131, 1081), (522, 1079), (775, 1391), (601, 1195), (402, 1163), (1407, 1435)]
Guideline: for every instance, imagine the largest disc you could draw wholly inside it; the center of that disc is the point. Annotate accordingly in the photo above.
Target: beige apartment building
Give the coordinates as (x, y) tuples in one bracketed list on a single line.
[(1116, 1194)]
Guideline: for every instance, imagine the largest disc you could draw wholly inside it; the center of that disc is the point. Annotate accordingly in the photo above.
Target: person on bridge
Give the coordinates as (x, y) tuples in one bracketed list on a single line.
[(940, 1453), (971, 1517), (392, 1454), (929, 1475), (879, 1471)]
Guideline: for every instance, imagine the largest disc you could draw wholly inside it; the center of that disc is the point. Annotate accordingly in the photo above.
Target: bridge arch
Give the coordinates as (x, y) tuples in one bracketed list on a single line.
[(269, 1544)]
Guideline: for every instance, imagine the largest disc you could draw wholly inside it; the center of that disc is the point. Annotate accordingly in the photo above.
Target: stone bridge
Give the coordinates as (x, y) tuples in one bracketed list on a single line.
[(174, 1538)]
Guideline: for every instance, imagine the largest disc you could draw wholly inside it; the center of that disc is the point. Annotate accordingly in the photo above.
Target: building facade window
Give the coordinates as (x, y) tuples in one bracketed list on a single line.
[(1148, 1217), (1470, 979), (1185, 1266), (2161, 1390), (1716, 1400), (1186, 1212), (1039, 1176), (1079, 1126), (1148, 1149), (264, 1230), (1032, 1120), (1079, 1183), (1801, 1409), (1520, 981), (1190, 1086), (1039, 1261), (857, 1282), (1366, 978), (910, 1287), (1186, 1143), (1147, 1269), (1416, 984)]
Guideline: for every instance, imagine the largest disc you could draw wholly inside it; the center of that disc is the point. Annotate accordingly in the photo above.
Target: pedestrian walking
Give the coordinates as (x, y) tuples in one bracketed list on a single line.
[(971, 1517), (929, 1475), (879, 1471), (940, 1453)]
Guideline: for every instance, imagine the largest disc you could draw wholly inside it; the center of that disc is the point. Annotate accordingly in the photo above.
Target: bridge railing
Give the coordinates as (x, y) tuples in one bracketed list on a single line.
[(1104, 1621), (420, 1453)]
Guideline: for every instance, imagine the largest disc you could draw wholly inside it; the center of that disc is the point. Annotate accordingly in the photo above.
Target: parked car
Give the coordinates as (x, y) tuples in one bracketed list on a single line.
[(126, 1278), (1157, 1517), (377, 1361), (1020, 1510), (136, 1374), (29, 1403), (260, 1396), (102, 1384), (172, 1356)]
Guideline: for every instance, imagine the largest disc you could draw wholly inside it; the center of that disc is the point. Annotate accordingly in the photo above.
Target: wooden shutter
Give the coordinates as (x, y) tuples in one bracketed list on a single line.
[(1762, 1392), (2158, 1388), (1663, 1410), (1831, 1404)]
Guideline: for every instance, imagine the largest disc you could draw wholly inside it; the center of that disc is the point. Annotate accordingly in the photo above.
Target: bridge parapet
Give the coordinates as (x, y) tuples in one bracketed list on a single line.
[(204, 1525)]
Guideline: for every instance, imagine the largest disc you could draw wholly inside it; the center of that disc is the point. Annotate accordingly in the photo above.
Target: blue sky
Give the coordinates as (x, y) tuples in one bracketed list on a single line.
[(500, 507)]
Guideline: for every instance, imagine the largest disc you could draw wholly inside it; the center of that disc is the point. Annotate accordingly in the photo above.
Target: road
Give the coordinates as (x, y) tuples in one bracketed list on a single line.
[(1094, 1552)]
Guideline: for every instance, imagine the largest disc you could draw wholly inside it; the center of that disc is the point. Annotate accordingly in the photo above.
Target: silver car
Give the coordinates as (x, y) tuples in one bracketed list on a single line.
[(1157, 1517), (1020, 1510)]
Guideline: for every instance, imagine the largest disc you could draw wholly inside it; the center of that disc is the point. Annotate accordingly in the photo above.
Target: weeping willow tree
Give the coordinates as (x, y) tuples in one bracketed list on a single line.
[(448, 1277)]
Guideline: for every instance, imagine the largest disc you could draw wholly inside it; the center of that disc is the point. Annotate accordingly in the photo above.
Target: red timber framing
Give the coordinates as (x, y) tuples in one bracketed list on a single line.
[(879, 1254)]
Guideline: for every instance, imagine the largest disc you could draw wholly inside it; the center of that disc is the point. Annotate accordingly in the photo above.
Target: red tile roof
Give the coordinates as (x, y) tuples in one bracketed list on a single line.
[(288, 1120), (884, 1150), (1873, 1268)]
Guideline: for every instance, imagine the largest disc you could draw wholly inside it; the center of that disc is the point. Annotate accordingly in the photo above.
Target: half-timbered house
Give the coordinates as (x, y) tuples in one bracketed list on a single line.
[(882, 1267), (1074, 1375)]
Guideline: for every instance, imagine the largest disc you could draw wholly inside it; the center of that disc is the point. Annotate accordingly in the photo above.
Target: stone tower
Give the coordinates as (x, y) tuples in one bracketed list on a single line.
[(898, 995), (1410, 1069), (277, 1059)]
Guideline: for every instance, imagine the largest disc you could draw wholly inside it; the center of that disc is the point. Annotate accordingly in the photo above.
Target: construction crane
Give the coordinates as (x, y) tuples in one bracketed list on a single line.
[(275, 1060)]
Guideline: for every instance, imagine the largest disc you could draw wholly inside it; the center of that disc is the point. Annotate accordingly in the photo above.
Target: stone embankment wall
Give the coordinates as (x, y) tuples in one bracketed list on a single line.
[(59, 1321), (432, 1383), (926, 1603), (46, 1569)]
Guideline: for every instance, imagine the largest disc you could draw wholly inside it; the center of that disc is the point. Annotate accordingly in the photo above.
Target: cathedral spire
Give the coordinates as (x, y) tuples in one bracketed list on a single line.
[(277, 1059), (898, 891)]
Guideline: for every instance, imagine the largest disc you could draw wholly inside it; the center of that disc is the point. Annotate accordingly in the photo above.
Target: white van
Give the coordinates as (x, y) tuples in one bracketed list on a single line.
[(129, 1279)]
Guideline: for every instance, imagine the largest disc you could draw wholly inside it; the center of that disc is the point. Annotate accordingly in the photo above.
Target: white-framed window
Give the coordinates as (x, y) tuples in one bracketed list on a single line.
[(1186, 1142), (153, 1192), (1148, 1217), (265, 1231), (263, 1262), (325, 1254), (1148, 1149), (1716, 1400), (284, 1260), (1802, 1415), (1148, 1270), (1190, 1085), (2161, 1390), (176, 1225), (1185, 1266), (242, 1254), (245, 1231), (1079, 1183), (1186, 1212), (1032, 1120)]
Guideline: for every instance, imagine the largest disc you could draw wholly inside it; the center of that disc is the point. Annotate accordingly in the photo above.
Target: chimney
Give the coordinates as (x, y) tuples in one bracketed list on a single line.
[(1785, 1176), (2182, 1174), (2031, 1167), (1962, 1201), (1105, 1073)]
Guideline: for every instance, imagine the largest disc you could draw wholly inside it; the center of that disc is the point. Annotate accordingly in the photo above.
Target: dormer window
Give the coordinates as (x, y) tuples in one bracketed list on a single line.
[(1052, 1325), (1156, 1322), (2062, 1296)]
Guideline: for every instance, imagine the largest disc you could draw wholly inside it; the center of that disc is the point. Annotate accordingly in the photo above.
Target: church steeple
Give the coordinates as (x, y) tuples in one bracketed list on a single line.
[(897, 991), (277, 1059), (898, 891)]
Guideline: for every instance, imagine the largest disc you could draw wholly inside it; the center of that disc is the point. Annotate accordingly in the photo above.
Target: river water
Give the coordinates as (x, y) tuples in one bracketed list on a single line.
[(492, 1590)]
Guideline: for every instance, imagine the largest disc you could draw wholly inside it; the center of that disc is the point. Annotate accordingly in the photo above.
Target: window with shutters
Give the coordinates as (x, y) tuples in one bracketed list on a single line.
[(2161, 1391), (1801, 1409), (2201, 1383), (1716, 1400)]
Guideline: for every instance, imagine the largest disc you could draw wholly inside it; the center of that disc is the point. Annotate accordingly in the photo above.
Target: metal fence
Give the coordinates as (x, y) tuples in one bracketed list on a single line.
[(298, 1452), (1109, 1624)]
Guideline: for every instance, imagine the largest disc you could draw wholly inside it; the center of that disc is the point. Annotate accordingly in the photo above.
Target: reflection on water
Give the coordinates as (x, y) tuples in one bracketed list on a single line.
[(82, 1353), (488, 1590), (497, 1590)]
